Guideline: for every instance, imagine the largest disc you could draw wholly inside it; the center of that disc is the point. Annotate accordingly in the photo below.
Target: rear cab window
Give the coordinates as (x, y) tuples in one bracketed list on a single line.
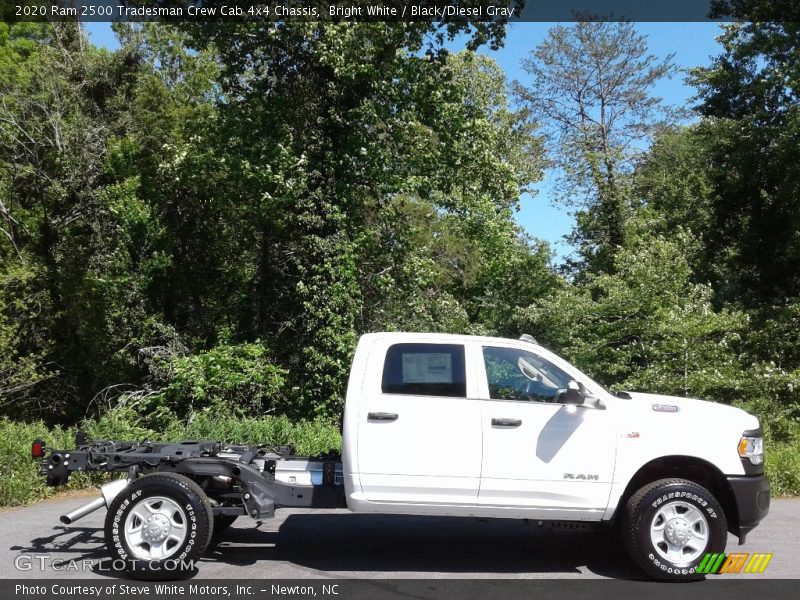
[(425, 370)]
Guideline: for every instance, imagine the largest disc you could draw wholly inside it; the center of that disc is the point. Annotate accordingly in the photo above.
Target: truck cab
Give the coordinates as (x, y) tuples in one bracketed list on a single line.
[(490, 427)]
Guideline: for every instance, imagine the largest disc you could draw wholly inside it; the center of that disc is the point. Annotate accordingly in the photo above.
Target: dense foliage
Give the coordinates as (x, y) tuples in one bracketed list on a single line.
[(207, 219), (198, 225)]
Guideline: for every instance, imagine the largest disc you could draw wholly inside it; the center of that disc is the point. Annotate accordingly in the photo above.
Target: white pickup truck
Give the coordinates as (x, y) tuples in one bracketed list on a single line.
[(469, 426)]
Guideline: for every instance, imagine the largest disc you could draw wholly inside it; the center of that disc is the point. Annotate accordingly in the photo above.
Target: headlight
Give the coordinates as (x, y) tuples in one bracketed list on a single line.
[(752, 448)]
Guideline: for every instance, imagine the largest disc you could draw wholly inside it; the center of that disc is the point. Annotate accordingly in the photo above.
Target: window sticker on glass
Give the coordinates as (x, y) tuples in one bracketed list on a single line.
[(427, 367)]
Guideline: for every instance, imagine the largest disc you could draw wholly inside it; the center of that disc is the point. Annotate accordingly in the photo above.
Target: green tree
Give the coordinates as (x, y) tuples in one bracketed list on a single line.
[(467, 268), (672, 192), (346, 126), (749, 98), (645, 327), (52, 137), (85, 142), (244, 199), (592, 91)]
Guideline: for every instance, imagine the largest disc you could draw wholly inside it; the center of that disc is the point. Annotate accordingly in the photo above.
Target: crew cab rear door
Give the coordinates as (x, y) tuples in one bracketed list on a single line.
[(419, 424)]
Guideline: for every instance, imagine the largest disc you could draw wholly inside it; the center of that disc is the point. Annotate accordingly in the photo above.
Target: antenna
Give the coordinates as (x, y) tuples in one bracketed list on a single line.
[(526, 337)]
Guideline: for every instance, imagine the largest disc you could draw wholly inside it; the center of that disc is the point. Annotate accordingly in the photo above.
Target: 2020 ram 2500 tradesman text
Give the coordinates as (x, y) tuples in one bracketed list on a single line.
[(510, 431)]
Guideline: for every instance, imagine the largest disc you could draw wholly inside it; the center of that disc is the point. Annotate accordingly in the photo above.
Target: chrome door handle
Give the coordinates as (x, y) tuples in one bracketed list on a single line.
[(506, 422), (381, 416)]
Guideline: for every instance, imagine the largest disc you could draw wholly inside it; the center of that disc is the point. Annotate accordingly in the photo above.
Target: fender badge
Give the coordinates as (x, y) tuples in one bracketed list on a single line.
[(631, 434), (671, 408), (582, 476)]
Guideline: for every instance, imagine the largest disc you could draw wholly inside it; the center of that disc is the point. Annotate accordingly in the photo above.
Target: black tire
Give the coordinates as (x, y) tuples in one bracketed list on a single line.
[(189, 514), (644, 510), (222, 522)]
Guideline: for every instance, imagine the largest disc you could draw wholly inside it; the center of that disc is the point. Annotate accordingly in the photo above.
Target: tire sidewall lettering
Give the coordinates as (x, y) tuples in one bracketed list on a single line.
[(115, 531), (688, 497), (642, 512), (684, 496)]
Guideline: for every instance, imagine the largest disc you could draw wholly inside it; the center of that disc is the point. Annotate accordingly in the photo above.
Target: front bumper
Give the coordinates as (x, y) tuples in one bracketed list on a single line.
[(751, 494)]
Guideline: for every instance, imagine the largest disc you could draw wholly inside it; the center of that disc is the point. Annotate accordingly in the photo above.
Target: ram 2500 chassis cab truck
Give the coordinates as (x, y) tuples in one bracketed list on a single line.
[(510, 430)]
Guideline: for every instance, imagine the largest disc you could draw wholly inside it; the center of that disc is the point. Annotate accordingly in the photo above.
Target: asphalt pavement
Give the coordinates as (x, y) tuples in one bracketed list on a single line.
[(305, 544)]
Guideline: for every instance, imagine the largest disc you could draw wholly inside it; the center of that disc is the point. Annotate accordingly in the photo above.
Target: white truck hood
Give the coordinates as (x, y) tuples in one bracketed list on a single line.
[(654, 425), (710, 414)]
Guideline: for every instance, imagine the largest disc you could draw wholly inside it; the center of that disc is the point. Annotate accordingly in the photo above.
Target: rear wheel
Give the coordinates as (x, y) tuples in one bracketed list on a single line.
[(669, 526), (158, 526)]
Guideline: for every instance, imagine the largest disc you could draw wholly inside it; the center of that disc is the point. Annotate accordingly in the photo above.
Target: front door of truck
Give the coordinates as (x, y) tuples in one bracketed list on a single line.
[(542, 458), (419, 425)]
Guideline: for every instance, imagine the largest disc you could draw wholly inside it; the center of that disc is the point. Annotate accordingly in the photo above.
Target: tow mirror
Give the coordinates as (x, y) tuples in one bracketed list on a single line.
[(575, 393)]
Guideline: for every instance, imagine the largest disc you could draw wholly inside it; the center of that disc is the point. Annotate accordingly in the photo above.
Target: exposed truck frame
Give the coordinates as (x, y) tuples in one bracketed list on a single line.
[(237, 480)]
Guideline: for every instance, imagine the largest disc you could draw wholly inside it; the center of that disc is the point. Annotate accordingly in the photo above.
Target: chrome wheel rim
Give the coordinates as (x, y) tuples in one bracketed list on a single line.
[(156, 528), (679, 532)]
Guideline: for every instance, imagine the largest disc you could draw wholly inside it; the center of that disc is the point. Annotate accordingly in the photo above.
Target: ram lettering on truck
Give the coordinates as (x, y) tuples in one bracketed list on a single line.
[(511, 431)]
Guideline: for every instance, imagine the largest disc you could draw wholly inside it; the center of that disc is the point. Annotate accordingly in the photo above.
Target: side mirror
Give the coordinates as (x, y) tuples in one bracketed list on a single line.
[(575, 393)]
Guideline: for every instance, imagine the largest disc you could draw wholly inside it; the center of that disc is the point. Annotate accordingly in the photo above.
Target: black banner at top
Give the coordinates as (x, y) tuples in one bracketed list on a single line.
[(398, 10)]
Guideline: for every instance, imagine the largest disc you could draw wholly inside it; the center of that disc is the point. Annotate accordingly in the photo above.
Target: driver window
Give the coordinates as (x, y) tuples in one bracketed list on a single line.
[(520, 375)]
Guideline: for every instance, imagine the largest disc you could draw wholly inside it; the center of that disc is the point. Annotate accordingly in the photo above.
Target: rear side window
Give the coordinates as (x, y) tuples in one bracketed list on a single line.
[(425, 370)]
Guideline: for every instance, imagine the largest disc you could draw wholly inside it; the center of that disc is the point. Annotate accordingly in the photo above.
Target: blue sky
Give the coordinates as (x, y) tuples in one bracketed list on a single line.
[(692, 43)]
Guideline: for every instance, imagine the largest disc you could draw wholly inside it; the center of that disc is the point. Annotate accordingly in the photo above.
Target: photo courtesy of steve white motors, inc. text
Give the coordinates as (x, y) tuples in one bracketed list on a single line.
[(139, 590)]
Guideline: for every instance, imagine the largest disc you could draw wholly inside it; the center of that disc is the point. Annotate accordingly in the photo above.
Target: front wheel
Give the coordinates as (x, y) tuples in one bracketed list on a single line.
[(669, 526), (158, 526)]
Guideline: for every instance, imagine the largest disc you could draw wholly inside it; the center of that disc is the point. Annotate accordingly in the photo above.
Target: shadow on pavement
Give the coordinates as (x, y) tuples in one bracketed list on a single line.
[(78, 542), (393, 543), (350, 543)]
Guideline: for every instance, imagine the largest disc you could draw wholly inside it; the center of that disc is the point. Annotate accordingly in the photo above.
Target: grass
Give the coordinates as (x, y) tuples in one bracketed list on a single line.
[(20, 482), (783, 468)]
